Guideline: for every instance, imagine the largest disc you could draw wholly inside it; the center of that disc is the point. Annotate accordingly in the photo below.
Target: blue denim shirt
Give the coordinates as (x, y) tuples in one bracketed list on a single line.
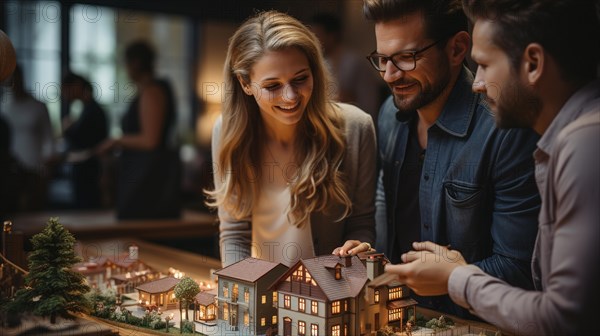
[(477, 189)]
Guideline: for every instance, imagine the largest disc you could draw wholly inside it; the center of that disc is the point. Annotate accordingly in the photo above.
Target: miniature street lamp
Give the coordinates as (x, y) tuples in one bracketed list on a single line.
[(167, 319)]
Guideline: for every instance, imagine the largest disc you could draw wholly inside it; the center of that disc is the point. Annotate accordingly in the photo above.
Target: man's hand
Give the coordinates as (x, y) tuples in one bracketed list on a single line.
[(427, 268)]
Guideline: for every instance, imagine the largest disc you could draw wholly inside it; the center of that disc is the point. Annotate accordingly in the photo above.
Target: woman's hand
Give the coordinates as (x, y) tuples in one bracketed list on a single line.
[(352, 247)]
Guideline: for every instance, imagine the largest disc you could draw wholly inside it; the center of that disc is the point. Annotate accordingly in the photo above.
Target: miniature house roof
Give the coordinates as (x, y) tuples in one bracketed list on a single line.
[(125, 261), (130, 275), (205, 299), (331, 263), (159, 286), (98, 264), (101, 261), (401, 303), (352, 281), (249, 269), (122, 277)]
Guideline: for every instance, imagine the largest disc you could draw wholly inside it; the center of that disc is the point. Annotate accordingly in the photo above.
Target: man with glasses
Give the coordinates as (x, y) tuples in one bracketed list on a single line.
[(449, 175)]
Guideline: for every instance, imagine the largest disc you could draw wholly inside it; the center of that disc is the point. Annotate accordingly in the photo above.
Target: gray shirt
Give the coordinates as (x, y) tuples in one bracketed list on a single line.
[(359, 168), (567, 251)]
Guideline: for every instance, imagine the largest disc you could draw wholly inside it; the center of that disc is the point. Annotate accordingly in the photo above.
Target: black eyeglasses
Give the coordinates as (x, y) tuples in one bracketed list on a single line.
[(403, 60)]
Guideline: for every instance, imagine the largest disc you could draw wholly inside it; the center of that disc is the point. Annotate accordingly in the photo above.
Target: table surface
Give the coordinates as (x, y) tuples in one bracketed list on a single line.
[(103, 224)]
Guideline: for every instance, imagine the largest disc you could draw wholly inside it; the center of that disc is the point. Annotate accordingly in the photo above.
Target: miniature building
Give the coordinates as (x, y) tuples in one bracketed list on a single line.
[(123, 272), (328, 295), (386, 304), (127, 282), (158, 294), (205, 306), (246, 304)]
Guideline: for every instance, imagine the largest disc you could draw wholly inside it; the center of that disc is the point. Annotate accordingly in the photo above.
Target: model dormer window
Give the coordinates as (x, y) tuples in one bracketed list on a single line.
[(338, 272)]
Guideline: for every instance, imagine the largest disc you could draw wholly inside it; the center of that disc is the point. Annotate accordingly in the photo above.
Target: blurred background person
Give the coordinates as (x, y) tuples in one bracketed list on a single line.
[(148, 169), (82, 136), (32, 142), (355, 82)]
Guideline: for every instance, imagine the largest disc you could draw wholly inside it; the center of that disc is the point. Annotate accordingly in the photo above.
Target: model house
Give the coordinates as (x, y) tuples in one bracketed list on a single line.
[(246, 303), (205, 307), (158, 294), (127, 282), (329, 295), (122, 272), (386, 304)]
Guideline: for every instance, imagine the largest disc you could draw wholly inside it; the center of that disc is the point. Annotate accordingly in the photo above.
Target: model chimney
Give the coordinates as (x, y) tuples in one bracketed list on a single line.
[(348, 261), (375, 265), (133, 252)]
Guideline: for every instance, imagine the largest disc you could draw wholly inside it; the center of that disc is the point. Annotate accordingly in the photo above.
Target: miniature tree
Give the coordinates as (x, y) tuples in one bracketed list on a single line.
[(52, 287), (185, 291)]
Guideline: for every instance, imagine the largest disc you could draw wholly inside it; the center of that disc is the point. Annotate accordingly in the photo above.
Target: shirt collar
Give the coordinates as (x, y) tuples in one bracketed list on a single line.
[(460, 107), (575, 106)]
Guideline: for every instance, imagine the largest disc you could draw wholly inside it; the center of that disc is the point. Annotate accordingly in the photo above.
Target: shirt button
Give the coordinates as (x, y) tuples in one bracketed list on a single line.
[(426, 177), (396, 163)]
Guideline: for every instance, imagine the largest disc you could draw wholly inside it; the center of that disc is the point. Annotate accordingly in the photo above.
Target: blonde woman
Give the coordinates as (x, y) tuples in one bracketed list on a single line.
[(294, 172)]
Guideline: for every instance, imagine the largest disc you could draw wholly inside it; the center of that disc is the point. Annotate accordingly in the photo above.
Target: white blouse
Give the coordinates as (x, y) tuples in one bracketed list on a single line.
[(274, 238)]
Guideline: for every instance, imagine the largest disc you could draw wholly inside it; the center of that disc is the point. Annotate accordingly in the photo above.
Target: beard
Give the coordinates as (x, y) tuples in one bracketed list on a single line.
[(517, 106), (428, 92)]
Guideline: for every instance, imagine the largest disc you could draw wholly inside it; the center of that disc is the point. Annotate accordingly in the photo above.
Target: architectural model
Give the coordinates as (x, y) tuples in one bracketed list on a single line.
[(246, 302), (326, 295)]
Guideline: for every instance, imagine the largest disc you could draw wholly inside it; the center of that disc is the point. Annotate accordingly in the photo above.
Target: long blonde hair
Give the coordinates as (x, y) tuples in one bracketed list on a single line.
[(320, 144)]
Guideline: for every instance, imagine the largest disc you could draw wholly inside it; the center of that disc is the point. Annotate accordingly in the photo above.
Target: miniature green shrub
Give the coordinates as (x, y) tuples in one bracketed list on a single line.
[(158, 324), (188, 327), (133, 320), (420, 320)]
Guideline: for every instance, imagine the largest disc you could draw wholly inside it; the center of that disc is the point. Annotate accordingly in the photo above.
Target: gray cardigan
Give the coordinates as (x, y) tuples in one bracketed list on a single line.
[(359, 167)]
